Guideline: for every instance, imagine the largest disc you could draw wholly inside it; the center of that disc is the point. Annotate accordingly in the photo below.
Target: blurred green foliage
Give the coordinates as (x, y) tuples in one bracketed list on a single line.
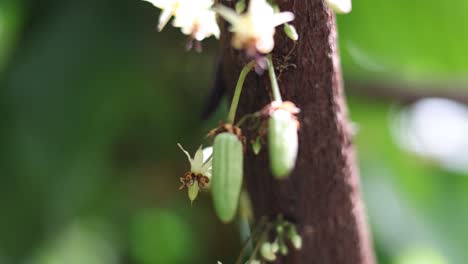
[(159, 231), (11, 18), (93, 101), (408, 40)]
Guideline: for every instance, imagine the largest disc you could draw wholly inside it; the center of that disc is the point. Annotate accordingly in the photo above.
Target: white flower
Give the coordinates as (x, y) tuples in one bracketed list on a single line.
[(340, 6), (194, 17), (200, 164), (254, 30), (200, 171), (168, 9)]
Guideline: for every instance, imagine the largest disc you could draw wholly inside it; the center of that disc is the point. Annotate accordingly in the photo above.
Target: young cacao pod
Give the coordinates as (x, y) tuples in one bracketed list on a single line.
[(282, 142), (227, 175)]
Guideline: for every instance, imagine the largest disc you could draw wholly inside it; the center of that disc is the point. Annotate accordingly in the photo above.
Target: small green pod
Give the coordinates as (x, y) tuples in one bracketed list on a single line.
[(227, 175), (291, 32), (282, 143)]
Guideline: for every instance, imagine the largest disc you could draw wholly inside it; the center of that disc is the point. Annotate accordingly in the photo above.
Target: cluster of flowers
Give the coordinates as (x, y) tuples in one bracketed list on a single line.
[(253, 32), (220, 167), (195, 18)]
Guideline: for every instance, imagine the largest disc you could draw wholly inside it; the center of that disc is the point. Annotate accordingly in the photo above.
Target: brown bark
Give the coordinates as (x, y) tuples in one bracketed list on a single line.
[(322, 195)]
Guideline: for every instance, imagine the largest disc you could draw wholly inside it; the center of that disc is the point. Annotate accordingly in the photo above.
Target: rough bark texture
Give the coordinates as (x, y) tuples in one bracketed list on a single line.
[(322, 196)]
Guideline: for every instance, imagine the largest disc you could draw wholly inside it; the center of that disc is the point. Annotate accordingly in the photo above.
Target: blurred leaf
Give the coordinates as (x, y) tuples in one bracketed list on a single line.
[(420, 255), (432, 195), (78, 244), (410, 40), (11, 20), (159, 236)]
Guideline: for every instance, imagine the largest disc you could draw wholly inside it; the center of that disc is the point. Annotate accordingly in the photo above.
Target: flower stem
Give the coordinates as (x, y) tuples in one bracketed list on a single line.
[(237, 91), (250, 239), (246, 117), (274, 83)]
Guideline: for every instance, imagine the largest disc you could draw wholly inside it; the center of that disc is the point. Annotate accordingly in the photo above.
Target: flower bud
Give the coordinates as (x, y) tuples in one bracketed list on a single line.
[(282, 142), (283, 249), (296, 241), (291, 32), (279, 229), (227, 174), (240, 6), (274, 247), (267, 252), (257, 146), (292, 231)]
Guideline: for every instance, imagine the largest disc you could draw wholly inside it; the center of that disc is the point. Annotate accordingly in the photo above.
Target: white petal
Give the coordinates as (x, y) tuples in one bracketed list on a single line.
[(340, 6), (282, 18), (213, 26), (230, 15), (166, 14), (216, 32), (186, 153), (260, 8), (207, 152), (197, 163), (265, 44), (206, 167)]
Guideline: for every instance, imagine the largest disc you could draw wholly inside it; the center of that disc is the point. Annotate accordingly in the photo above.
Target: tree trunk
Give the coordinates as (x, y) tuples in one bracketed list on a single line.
[(322, 195)]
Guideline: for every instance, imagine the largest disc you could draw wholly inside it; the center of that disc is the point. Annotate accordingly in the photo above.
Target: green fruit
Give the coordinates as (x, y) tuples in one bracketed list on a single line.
[(282, 143), (227, 175)]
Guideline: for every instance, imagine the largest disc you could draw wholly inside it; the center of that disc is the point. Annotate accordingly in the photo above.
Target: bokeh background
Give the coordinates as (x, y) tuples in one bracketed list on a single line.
[(93, 101)]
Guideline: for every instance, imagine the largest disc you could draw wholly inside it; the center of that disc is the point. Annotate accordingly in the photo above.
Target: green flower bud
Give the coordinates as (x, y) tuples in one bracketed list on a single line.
[(291, 32), (274, 247), (240, 6), (292, 231), (279, 229), (296, 241), (226, 175), (257, 146), (283, 249), (282, 142), (267, 252)]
